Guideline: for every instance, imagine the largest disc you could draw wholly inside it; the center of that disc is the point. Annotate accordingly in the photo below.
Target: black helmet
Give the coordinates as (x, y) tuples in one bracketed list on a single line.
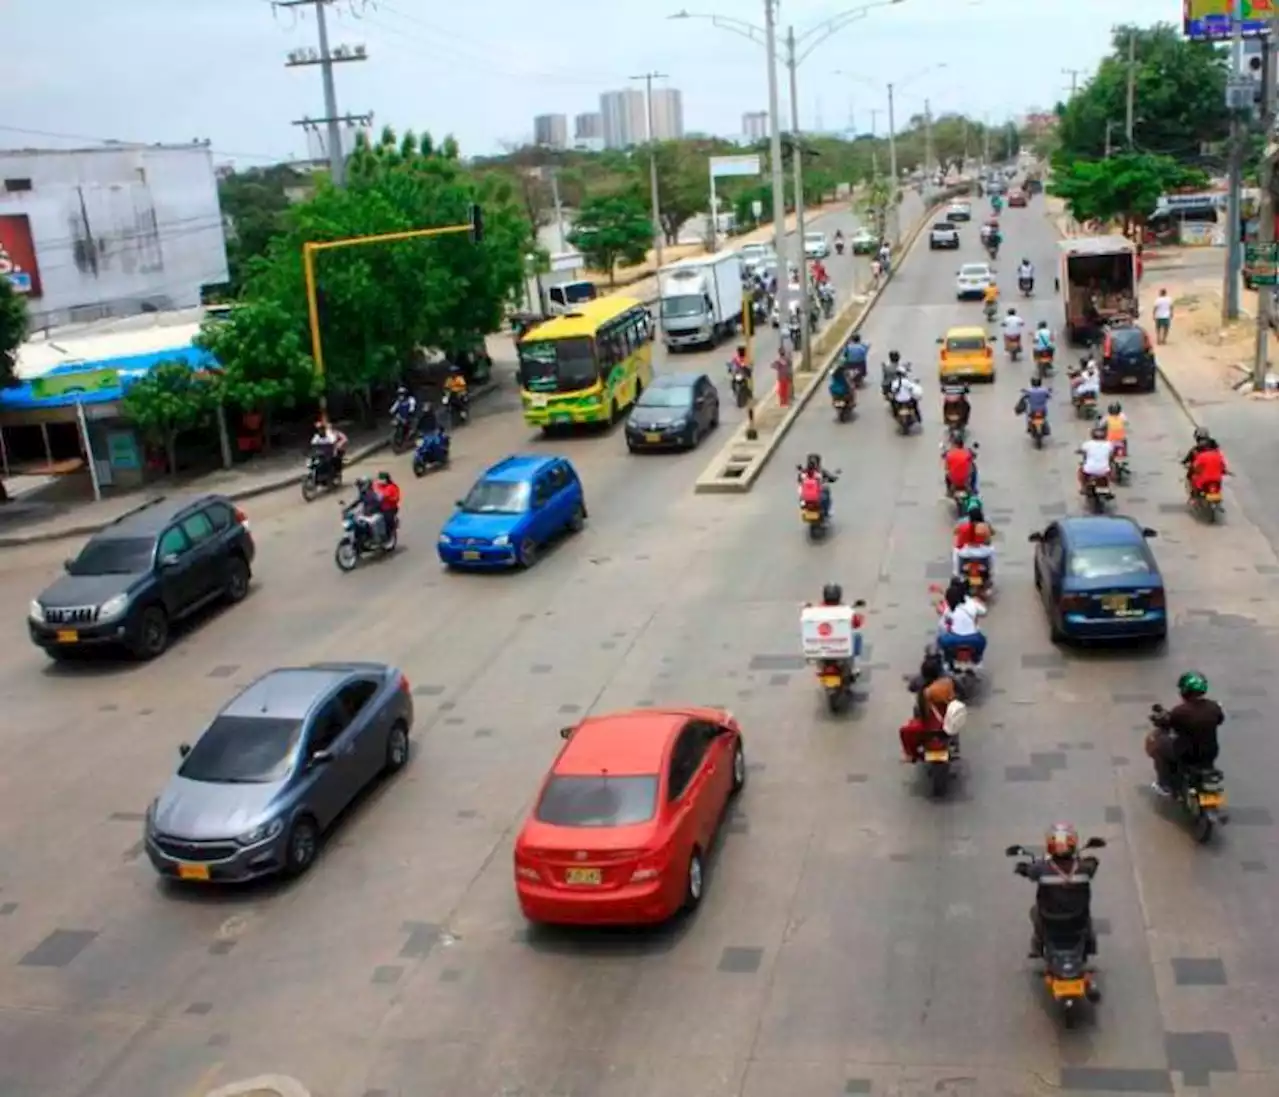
[(1013, 311), (832, 594), (1201, 435), (894, 357), (402, 389), (857, 337), (1114, 408), (813, 461)]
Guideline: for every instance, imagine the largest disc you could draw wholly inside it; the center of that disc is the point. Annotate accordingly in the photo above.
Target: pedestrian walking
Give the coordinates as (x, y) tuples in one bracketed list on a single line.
[(1162, 311)]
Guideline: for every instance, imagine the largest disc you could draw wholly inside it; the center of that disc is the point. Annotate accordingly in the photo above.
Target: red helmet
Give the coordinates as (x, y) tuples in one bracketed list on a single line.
[(1061, 840)]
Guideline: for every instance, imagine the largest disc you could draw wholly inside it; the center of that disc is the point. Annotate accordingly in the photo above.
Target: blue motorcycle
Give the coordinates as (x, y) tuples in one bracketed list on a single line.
[(432, 453)]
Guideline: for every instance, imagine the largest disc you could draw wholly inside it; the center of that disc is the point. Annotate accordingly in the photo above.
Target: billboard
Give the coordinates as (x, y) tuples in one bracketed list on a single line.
[(1210, 20), (18, 254), (722, 166)]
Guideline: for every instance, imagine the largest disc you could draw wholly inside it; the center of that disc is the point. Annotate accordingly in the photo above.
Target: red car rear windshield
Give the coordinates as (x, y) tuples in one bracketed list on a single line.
[(602, 801)]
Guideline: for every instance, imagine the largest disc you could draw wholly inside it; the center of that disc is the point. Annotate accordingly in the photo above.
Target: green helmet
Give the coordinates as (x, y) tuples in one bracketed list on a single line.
[(1193, 684), (973, 505)]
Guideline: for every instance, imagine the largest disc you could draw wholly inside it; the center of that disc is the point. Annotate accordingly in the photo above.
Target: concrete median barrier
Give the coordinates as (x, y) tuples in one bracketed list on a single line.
[(742, 459)]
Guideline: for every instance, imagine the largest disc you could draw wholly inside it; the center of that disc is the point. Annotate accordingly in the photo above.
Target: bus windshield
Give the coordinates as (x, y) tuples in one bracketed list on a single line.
[(558, 365)]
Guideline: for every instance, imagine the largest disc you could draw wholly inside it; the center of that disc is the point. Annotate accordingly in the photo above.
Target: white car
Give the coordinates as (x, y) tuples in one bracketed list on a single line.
[(972, 279), (944, 234), (752, 255), (815, 245), (959, 211), (863, 242)]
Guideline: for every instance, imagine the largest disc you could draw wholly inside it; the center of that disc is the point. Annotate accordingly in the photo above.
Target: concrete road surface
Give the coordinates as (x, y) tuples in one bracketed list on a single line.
[(856, 938)]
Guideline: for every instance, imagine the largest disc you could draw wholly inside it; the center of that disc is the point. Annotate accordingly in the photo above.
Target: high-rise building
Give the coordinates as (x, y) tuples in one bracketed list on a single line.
[(588, 126), (623, 118), (755, 125), (668, 114), (551, 131)]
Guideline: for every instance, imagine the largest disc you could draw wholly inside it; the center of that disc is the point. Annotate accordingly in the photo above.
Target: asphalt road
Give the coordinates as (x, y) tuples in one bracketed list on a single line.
[(856, 938)]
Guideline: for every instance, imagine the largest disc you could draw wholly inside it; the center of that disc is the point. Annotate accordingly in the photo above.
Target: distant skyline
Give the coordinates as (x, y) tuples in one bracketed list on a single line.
[(215, 68)]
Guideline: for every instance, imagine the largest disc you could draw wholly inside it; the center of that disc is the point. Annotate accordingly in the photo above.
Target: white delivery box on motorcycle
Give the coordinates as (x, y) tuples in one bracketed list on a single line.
[(826, 632)]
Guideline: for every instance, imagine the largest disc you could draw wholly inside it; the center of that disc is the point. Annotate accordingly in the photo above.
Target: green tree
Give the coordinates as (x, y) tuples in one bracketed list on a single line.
[(612, 228), (381, 302), (169, 399), (1125, 187), (1179, 98), (684, 184), (266, 364), (254, 203), (876, 199), (13, 330)]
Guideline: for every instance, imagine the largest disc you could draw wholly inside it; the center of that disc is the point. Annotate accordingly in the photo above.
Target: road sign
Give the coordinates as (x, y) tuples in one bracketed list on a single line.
[(1260, 262), (722, 166)]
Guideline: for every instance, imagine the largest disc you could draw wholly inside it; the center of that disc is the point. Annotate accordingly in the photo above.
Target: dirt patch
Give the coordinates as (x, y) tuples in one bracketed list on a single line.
[(1221, 355)]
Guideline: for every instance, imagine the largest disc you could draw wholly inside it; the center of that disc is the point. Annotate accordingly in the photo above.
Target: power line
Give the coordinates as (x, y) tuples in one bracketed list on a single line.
[(326, 59)]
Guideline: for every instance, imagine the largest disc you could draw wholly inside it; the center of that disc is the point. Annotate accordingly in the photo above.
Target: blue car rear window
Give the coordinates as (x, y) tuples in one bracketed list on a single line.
[(1108, 562), (497, 497)]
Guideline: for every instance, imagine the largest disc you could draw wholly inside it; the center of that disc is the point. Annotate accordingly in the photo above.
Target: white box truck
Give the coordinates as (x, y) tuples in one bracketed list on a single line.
[(700, 300)]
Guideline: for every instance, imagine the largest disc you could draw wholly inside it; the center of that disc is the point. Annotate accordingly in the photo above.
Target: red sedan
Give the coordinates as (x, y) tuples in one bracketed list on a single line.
[(622, 825), (1017, 198)]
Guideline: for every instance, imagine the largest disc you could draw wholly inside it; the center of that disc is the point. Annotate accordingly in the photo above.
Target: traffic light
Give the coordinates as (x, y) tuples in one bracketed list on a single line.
[(476, 216)]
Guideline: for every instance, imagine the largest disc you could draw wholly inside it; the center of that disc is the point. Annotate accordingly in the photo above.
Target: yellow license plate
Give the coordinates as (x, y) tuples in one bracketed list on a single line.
[(590, 876), (652, 437), (1068, 988), (67, 636), (811, 515), (937, 756), (469, 555), (834, 681), (193, 872), (1209, 497), (1115, 603), (1210, 800)]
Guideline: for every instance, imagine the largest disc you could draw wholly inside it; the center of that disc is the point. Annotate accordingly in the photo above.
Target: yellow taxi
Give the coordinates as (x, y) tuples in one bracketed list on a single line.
[(965, 353)]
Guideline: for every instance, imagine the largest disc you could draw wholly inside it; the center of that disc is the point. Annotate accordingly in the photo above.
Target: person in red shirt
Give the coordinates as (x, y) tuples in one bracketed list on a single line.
[(819, 273), (388, 492), (973, 540), (961, 466), (1208, 468)]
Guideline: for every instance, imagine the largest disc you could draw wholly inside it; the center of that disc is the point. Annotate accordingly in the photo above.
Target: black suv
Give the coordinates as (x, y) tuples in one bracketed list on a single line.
[(150, 567)]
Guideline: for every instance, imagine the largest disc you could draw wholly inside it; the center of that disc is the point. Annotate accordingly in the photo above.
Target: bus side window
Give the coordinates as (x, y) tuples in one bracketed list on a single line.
[(607, 349)]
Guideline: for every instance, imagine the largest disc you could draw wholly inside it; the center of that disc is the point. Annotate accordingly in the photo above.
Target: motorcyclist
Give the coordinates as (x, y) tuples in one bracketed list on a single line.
[(330, 445), (833, 595), (960, 467), (428, 419), (1200, 442), (367, 510), (889, 371), (994, 239), (1087, 384), (1035, 401), (455, 390), (959, 627), (1208, 467), (1095, 456), (402, 410), (973, 540), (1012, 326), (1117, 424), (1187, 734), (820, 276), (813, 470), (955, 405), (840, 384), (388, 493), (1062, 878), (1044, 343), (855, 354), (1026, 273), (934, 689), (991, 299), (904, 391)]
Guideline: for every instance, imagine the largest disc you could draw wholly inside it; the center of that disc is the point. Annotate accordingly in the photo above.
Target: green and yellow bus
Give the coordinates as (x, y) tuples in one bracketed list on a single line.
[(587, 366)]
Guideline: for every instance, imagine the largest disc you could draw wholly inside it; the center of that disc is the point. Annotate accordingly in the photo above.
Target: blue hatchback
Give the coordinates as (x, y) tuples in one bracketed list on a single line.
[(1099, 580), (514, 509)]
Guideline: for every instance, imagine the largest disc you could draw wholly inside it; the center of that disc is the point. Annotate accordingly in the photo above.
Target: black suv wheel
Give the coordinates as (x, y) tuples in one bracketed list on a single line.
[(150, 633)]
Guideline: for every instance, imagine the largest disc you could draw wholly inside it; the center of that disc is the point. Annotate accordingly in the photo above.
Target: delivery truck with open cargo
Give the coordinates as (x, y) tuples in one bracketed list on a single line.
[(1097, 280)]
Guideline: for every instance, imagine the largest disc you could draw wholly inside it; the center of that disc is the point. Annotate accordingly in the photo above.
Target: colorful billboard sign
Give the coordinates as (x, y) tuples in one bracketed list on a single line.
[(1210, 20), (79, 383), (18, 254)]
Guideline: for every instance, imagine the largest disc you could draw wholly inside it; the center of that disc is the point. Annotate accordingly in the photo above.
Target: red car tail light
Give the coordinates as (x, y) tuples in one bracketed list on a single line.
[(404, 684), (1155, 600), (1070, 603), (527, 872)]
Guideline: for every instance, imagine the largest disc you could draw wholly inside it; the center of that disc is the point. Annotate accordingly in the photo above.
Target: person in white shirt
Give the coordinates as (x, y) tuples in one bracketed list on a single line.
[(885, 256), (1087, 384), (1095, 455), (904, 390), (1013, 326), (959, 625), (1162, 311)]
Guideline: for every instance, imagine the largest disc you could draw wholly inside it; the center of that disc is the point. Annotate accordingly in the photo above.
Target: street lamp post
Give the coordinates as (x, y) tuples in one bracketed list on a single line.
[(798, 50)]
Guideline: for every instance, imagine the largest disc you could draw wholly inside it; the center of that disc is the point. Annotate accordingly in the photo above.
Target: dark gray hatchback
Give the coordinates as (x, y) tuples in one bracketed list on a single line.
[(134, 578)]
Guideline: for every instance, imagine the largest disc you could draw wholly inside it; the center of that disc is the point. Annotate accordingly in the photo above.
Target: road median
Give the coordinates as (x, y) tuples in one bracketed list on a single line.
[(739, 463)]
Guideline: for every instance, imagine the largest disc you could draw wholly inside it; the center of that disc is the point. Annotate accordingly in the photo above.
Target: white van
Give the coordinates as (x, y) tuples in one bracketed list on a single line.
[(564, 297)]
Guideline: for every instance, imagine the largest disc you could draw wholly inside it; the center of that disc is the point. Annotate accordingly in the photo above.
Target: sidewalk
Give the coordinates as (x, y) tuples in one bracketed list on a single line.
[(28, 522)]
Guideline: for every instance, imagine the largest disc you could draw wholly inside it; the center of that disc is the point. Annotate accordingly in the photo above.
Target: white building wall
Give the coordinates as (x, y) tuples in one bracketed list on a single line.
[(117, 229), (668, 114), (625, 121)]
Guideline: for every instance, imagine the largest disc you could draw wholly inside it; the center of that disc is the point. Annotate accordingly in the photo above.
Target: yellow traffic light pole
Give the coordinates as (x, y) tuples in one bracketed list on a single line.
[(312, 247)]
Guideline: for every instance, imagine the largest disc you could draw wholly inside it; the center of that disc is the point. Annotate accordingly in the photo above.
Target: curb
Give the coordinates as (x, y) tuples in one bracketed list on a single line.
[(1183, 405), (278, 1084), (713, 481), (293, 479)]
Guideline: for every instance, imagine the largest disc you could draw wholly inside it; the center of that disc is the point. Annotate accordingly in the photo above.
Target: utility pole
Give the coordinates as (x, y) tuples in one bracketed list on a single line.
[(1235, 173), (326, 59), (893, 172), (775, 160), (929, 166), (1266, 207), (555, 202), (1075, 78), (1106, 148), (1131, 84), (986, 144), (797, 169), (649, 78)]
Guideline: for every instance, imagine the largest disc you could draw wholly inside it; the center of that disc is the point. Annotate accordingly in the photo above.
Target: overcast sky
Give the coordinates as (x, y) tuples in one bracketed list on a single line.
[(173, 70)]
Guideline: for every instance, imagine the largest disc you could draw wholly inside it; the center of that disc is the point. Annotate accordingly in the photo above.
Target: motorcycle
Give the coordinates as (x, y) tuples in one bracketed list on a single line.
[(1086, 406), (905, 415), (1026, 286), (324, 471), (837, 676), (1043, 358), (989, 311), (457, 405), (828, 298), (793, 330), (1038, 428), (401, 432), (993, 250), (740, 383), (977, 577), (1199, 792), (432, 453), (1067, 945), (1013, 347), (964, 669), (358, 540), (1120, 462), (813, 514), (1098, 493), (1206, 502), (843, 406), (839, 247)]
